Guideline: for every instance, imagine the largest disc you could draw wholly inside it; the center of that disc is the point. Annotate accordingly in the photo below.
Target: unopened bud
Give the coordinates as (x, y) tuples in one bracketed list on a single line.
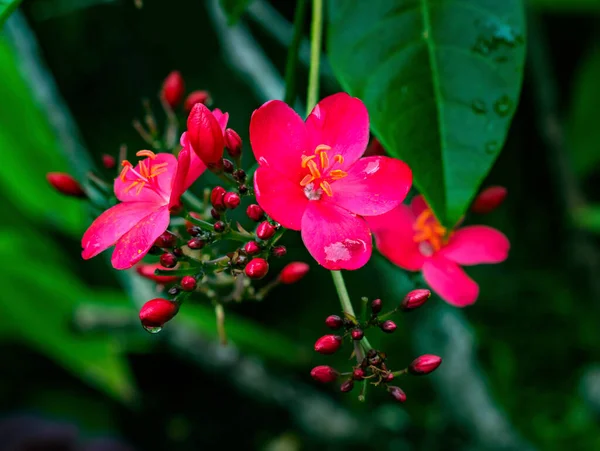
[(168, 260), (376, 306), (347, 386), (279, 251), (293, 272), (328, 344), (173, 89), (166, 240), (108, 161), (334, 322), (188, 283), (219, 226), (358, 374), (217, 198), (215, 214), (389, 377), (265, 230), (65, 184), (388, 326), (156, 312), (239, 175), (489, 199), (415, 299), (255, 213), (205, 135), (357, 334), (233, 142), (147, 271), (257, 268), (228, 166), (252, 248), (231, 200), (196, 243), (195, 97), (324, 374), (397, 393), (242, 189), (424, 364)]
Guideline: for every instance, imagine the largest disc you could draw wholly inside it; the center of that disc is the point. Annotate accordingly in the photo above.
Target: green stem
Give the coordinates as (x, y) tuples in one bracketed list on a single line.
[(291, 65), (342, 291), (316, 34), (192, 201)]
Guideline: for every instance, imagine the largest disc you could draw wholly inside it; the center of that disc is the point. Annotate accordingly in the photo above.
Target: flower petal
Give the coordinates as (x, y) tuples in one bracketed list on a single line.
[(189, 168), (205, 134), (341, 122), (373, 186), (157, 189), (394, 237), (474, 245), (336, 238), (222, 118), (136, 243), (450, 281), (418, 204), (112, 225), (282, 199), (278, 139)]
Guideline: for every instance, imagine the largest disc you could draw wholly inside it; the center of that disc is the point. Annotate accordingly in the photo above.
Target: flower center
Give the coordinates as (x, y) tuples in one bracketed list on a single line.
[(429, 232), (321, 172), (148, 172)]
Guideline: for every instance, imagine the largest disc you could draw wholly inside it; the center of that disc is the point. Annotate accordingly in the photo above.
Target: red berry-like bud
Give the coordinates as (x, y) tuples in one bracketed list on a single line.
[(166, 240), (173, 89), (255, 213), (239, 175), (252, 248), (231, 200), (376, 306), (108, 161), (328, 344), (178, 252), (489, 199), (257, 268), (358, 374), (293, 272), (195, 97), (194, 231), (389, 377), (188, 283), (415, 299), (397, 393), (388, 326), (228, 166), (147, 271), (279, 251), (347, 386), (242, 189), (324, 374), (217, 197), (424, 364), (168, 260), (205, 135), (233, 142), (265, 230), (334, 322), (357, 334), (215, 214), (219, 226), (65, 184), (196, 243), (156, 312)]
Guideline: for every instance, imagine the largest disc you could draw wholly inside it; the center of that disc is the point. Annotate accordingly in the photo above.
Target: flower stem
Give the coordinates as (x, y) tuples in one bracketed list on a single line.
[(316, 34), (291, 65)]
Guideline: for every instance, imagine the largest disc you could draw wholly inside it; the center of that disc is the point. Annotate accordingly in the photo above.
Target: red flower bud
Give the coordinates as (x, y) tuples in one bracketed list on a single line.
[(376, 306), (414, 299), (424, 364), (233, 142), (168, 260), (279, 251), (215, 214), (255, 213), (388, 326), (219, 226), (334, 322), (196, 243), (147, 271), (324, 374), (156, 312), (205, 135), (389, 377), (217, 197), (173, 89), (231, 200), (166, 240), (65, 184), (188, 283), (265, 230), (257, 268), (108, 161), (347, 386), (489, 199), (397, 393), (357, 334), (228, 166), (293, 272), (328, 344), (358, 374), (252, 248), (195, 97)]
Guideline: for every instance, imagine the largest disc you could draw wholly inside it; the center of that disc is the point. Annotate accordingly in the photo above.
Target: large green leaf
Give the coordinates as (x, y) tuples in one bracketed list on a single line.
[(234, 9), (6, 8), (441, 80)]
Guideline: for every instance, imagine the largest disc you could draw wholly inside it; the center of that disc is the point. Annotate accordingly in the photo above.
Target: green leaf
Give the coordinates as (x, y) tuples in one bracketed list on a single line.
[(6, 8), (441, 80), (588, 218), (583, 132), (234, 9)]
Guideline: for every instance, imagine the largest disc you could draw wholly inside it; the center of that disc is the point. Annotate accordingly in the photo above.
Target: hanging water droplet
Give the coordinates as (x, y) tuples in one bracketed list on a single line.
[(491, 147), (503, 106), (481, 46), (479, 106), (153, 329)]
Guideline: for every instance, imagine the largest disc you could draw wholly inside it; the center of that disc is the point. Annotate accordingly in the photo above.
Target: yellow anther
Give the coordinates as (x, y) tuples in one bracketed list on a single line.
[(306, 180), (326, 188), (338, 159), (322, 148), (337, 174), (324, 160), (126, 166), (134, 184), (427, 228), (146, 153), (314, 171), (158, 169), (306, 159)]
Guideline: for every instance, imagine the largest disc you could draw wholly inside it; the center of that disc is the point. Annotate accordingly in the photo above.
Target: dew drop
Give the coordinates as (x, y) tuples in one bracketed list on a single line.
[(503, 106), (491, 147), (152, 329), (479, 106)]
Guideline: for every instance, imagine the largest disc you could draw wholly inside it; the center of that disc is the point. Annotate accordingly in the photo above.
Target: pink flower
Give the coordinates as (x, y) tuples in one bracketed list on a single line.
[(311, 177), (412, 238), (148, 193), (205, 134)]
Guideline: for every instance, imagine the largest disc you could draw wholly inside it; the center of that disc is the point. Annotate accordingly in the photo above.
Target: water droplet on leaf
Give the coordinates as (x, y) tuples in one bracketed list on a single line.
[(491, 147), (503, 106), (153, 329), (479, 106)]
